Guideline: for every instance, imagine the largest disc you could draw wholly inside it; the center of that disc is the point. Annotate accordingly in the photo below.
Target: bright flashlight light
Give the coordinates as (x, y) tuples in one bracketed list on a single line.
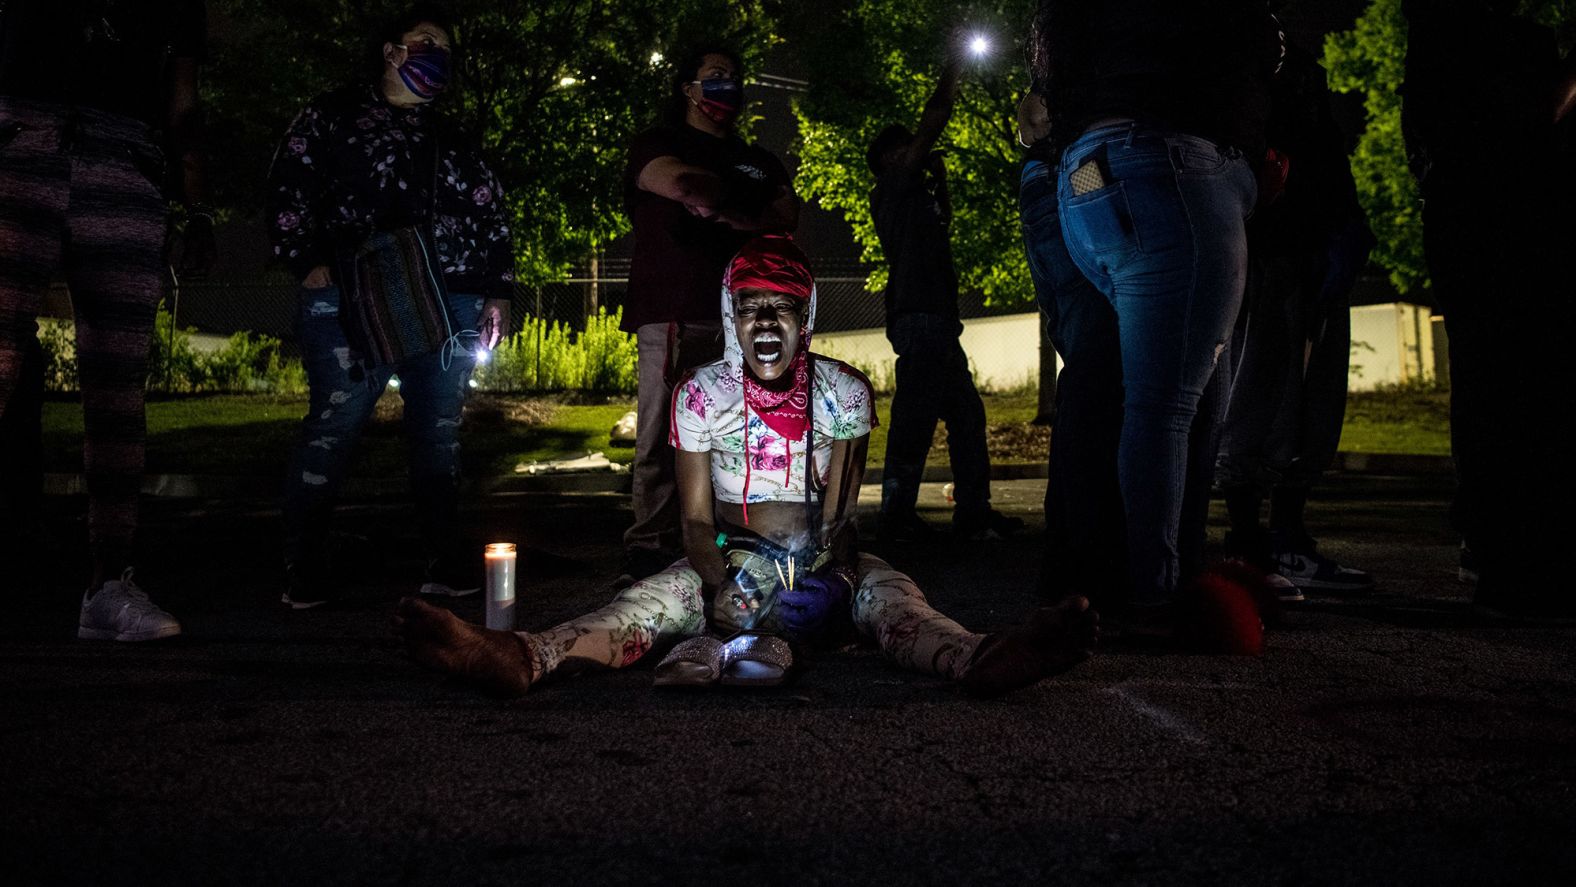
[(979, 44), (394, 382), (482, 354)]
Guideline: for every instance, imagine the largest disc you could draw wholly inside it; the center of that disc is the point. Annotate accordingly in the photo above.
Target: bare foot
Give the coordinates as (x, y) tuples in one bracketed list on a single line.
[(499, 661), (1053, 640)]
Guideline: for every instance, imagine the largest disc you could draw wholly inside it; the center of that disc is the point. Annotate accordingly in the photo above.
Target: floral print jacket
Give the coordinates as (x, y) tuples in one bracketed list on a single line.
[(709, 416), (351, 164)]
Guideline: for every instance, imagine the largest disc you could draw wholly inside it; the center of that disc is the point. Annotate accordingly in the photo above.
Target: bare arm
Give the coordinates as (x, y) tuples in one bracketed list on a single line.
[(676, 180), (1565, 90), (697, 517), (938, 108), (842, 496), (185, 125)]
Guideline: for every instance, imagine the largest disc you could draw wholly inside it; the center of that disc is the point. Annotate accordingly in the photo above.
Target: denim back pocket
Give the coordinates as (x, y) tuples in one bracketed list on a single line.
[(1099, 228), (1193, 157)]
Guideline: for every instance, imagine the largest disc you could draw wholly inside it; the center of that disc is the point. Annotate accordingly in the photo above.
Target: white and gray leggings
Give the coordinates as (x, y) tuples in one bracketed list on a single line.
[(670, 607)]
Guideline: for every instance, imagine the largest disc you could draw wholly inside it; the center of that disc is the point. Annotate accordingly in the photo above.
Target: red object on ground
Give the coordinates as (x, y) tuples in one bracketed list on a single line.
[(1218, 613)]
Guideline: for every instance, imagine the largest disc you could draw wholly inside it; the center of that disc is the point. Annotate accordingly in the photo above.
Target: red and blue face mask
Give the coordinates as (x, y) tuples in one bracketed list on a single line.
[(721, 99), (426, 70)]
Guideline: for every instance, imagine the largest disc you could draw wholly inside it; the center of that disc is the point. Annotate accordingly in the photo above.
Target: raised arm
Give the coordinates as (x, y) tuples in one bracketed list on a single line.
[(938, 108), (185, 126)]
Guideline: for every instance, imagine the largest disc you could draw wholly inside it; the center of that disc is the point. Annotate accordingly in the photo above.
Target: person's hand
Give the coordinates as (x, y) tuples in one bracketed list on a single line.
[(1347, 255), (958, 43), (494, 324), (808, 609), (198, 249), (1034, 120), (701, 211), (317, 278), (741, 595)]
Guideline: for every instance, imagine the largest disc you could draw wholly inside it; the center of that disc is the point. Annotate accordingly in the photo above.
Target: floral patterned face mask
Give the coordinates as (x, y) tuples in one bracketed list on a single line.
[(426, 69)]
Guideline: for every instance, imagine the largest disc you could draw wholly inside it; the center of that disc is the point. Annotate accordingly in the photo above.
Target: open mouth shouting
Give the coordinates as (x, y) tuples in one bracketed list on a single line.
[(768, 348)]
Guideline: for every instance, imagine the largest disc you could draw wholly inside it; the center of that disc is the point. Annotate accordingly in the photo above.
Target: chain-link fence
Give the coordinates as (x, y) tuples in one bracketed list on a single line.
[(216, 309)]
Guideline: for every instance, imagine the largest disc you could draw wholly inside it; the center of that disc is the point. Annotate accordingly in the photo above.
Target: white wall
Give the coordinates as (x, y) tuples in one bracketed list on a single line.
[(1390, 344)]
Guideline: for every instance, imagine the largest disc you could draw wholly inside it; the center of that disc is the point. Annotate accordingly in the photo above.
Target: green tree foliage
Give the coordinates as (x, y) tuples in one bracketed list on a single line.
[(1371, 59), (874, 62), (553, 88)]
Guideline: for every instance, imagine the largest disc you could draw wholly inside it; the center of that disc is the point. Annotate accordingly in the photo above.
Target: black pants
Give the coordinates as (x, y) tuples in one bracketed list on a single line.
[(934, 383), (1493, 259)]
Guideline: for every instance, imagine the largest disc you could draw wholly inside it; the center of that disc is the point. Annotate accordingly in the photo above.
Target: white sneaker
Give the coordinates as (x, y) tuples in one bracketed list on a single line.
[(1285, 589), (120, 611)]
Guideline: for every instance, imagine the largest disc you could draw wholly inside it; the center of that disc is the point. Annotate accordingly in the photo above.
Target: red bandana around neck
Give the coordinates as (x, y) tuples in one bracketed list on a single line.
[(775, 263)]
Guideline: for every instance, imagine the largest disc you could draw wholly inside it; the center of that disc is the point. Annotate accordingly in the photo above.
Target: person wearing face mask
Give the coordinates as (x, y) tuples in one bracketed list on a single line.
[(771, 445), (695, 192), (376, 157), (92, 95)]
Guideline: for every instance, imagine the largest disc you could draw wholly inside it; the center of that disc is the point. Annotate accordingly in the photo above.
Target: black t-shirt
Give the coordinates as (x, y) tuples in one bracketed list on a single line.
[(1320, 198), (678, 262), (1200, 67), (1477, 96), (111, 55), (920, 275)]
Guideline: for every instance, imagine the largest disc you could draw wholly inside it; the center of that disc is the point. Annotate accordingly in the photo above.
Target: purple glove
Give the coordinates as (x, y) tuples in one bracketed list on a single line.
[(814, 604)]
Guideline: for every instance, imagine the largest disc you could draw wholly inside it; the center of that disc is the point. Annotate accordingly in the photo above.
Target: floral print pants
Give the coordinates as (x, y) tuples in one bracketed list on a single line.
[(670, 606)]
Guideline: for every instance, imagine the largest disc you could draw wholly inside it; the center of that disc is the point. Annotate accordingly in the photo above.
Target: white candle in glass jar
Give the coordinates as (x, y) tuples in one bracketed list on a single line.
[(500, 558)]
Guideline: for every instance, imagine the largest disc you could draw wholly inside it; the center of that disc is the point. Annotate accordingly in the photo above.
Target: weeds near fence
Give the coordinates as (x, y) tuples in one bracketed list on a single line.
[(548, 355), (246, 362)]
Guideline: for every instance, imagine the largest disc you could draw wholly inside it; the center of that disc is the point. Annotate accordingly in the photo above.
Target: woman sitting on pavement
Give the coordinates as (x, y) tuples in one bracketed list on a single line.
[(749, 428)]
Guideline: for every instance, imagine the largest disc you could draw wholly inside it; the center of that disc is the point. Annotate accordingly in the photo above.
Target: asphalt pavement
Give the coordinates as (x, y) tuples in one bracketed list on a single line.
[(1390, 739)]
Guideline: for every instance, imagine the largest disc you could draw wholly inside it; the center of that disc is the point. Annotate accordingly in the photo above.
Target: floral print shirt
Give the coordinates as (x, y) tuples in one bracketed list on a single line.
[(708, 416), (351, 164)]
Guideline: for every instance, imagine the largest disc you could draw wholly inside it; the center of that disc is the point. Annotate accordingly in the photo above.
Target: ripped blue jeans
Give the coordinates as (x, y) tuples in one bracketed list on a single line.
[(342, 396)]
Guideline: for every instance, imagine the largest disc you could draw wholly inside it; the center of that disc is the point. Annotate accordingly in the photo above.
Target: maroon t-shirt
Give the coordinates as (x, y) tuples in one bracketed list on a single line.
[(676, 270)]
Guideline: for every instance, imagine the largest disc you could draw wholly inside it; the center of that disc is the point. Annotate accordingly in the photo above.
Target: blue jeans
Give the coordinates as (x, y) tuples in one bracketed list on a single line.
[(342, 396), (1083, 503), (1164, 240)]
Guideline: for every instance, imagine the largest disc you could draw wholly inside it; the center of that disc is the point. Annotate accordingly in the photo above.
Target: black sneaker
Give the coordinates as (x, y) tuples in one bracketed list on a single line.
[(904, 526), (1300, 561), (985, 527), (452, 577), (305, 587)]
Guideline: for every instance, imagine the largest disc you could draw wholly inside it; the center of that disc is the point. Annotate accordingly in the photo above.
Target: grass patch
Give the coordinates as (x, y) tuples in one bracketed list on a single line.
[(252, 435), (1411, 419)]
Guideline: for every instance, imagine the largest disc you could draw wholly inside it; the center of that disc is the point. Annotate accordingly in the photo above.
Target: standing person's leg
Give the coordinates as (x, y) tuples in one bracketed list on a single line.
[(433, 389), (1083, 503), (115, 269), (665, 607), (1257, 373), (341, 395), (959, 406), (22, 454), (911, 429), (1165, 240), (1323, 336), (665, 352), (116, 272), (34, 187)]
